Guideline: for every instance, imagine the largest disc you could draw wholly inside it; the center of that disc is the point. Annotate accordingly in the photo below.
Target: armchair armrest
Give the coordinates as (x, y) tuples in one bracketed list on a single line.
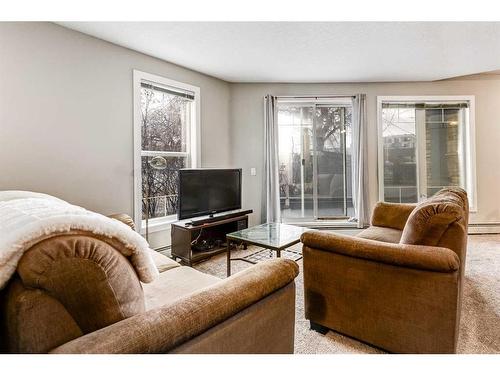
[(162, 329), (391, 215), (430, 258)]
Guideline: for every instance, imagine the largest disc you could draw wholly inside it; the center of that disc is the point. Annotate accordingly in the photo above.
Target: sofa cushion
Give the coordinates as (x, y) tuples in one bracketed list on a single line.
[(382, 234), (162, 262), (429, 221), (174, 284)]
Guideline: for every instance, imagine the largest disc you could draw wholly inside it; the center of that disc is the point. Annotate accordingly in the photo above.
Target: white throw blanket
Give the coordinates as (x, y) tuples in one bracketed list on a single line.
[(27, 218)]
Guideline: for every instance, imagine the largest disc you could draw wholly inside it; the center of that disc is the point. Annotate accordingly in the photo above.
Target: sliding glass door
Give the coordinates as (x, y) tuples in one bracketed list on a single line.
[(425, 147), (314, 158), (296, 161)]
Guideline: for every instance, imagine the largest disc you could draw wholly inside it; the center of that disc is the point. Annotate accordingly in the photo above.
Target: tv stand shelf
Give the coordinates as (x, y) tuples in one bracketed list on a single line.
[(194, 243)]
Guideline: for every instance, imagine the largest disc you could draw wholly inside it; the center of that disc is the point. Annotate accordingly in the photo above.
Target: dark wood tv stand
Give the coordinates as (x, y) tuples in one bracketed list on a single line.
[(194, 243)]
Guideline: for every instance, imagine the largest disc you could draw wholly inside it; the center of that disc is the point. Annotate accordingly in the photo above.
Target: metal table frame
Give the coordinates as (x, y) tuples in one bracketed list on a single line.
[(238, 240)]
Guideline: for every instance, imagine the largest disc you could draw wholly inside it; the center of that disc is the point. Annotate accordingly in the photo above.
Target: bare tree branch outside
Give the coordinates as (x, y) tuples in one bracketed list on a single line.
[(164, 118)]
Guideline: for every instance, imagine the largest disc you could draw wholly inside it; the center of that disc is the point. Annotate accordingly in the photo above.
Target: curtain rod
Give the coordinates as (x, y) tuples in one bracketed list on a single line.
[(313, 96)]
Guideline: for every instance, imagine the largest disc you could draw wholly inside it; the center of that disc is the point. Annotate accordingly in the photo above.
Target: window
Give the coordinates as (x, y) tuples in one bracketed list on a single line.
[(314, 158), (166, 117), (425, 144)]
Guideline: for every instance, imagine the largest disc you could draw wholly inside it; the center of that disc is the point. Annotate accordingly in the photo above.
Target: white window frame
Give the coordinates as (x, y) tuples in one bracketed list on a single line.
[(314, 102), (193, 144), (470, 135)]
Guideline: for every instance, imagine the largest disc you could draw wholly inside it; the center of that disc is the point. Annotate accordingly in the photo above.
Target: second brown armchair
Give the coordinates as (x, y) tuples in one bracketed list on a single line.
[(397, 285)]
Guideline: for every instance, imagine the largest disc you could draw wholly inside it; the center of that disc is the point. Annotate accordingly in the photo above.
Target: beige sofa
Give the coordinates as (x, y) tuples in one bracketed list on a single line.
[(398, 284), (76, 293)]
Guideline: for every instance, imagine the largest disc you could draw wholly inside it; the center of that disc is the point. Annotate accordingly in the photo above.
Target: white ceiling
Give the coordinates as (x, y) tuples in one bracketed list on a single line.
[(312, 51)]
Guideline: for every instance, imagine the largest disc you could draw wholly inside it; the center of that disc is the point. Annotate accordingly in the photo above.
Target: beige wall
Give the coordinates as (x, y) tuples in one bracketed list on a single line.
[(247, 131), (66, 115)]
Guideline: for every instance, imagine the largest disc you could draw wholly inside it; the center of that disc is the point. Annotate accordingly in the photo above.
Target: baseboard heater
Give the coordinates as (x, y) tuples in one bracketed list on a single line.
[(484, 228), (166, 248), (475, 228)]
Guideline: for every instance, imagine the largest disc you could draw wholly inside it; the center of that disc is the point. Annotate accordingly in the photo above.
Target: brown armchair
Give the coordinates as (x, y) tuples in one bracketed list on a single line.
[(397, 285), (76, 293)]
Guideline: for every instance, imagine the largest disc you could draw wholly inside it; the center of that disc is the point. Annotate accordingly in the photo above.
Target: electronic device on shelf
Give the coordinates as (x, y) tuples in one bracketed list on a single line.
[(203, 245), (192, 244), (207, 191), (219, 218), (207, 244)]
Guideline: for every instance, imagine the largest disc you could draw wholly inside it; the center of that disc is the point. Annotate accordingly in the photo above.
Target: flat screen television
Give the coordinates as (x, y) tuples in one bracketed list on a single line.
[(208, 191)]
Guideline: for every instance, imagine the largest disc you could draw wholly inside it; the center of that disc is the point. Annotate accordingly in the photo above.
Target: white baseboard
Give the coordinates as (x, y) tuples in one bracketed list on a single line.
[(484, 228), (476, 228)]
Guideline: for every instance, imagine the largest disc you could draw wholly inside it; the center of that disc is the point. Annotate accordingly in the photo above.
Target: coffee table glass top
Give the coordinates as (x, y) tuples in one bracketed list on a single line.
[(270, 235)]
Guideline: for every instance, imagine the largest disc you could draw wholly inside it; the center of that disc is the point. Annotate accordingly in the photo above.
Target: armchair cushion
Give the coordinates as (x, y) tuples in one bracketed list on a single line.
[(391, 215), (383, 234)]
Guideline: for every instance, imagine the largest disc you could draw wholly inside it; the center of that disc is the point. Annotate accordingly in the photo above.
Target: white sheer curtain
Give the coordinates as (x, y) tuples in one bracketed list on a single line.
[(359, 165), (271, 201)]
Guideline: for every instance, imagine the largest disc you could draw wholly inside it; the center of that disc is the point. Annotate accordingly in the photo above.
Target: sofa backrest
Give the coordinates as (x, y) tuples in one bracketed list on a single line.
[(440, 221), (65, 287)]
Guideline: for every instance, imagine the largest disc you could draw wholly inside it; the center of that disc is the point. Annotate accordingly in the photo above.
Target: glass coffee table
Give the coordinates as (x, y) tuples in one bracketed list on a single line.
[(271, 236)]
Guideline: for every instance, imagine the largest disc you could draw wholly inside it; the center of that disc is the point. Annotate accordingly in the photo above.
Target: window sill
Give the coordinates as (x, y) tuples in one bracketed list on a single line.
[(158, 225), (324, 224)]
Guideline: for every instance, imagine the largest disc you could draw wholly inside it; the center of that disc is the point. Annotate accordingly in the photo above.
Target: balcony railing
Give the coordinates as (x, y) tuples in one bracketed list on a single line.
[(408, 194), (160, 205)]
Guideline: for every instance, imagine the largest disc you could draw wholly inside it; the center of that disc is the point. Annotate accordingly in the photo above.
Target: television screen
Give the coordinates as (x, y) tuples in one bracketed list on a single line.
[(208, 191)]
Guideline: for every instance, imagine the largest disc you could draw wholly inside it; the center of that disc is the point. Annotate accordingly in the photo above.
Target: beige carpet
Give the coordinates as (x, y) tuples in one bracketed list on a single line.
[(480, 323)]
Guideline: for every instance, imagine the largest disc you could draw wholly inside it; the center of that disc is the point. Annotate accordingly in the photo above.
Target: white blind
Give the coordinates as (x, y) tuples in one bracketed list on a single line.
[(169, 90)]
